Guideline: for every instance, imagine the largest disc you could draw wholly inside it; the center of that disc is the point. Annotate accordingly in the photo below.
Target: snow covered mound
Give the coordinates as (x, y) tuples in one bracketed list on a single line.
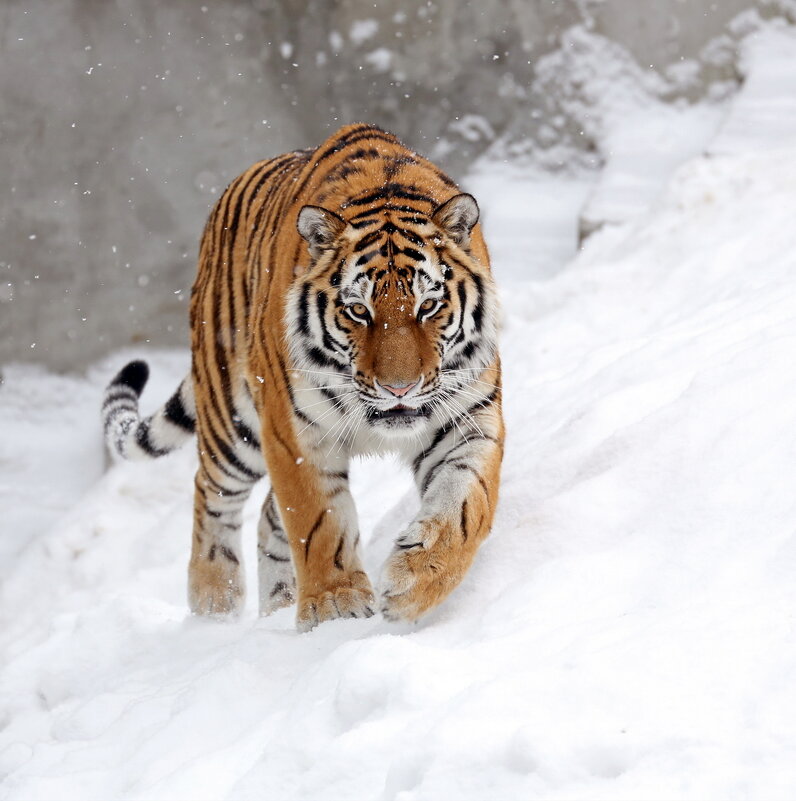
[(626, 632)]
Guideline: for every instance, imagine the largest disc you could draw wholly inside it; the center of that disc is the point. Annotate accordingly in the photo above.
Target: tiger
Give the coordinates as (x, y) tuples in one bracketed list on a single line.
[(343, 306)]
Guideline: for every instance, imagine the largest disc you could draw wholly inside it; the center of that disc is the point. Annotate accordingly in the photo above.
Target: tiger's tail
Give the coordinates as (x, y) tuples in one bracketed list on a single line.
[(130, 437)]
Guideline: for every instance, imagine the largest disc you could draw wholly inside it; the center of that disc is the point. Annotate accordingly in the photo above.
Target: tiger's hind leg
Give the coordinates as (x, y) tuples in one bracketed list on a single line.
[(216, 584), (226, 475), (277, 577)]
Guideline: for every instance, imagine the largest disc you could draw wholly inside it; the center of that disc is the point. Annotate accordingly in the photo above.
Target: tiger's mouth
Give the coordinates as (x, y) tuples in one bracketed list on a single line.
[(399, 412)]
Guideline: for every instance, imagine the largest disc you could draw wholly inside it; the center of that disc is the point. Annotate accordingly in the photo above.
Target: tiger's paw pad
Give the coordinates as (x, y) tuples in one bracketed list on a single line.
[(340, 602), (277, 596), (413, 581)]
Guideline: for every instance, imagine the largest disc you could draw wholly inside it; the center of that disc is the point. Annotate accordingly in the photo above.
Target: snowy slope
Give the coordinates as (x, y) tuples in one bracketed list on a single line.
[(627, 632)]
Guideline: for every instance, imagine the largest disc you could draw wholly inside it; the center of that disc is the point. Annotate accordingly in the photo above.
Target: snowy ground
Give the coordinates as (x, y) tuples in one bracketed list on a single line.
[(628, 630)]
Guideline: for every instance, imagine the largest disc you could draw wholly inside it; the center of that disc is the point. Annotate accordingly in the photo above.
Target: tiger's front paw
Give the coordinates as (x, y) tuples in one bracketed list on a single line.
[(215, 587), (352, 597), (418, 575)]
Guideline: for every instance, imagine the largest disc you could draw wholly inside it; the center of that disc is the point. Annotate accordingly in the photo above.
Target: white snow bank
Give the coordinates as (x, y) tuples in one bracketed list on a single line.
[(644, 139), (765, 109)]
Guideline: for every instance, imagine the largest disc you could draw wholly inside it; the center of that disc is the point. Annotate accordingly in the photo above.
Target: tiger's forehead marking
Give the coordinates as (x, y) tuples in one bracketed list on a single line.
[(390, 250)]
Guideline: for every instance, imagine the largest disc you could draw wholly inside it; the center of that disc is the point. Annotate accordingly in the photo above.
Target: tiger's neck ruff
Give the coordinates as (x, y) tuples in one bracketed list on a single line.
[(343, 305)]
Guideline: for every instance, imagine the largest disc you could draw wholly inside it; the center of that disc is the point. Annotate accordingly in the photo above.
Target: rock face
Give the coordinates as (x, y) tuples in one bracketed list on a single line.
[(122, 121)]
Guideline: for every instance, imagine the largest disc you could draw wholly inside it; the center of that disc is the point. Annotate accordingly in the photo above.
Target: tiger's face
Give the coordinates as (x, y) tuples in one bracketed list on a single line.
[(397, 307)]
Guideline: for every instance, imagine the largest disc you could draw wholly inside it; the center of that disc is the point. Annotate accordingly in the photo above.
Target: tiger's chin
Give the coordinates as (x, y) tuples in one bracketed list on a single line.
[(399, 419)]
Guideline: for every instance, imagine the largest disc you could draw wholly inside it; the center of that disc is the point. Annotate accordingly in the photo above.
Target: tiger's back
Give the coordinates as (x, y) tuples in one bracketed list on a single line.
[(343, 295)]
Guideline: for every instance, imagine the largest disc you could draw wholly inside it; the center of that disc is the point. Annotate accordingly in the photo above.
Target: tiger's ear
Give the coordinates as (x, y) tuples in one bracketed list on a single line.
[(320, 227), (457, 217)]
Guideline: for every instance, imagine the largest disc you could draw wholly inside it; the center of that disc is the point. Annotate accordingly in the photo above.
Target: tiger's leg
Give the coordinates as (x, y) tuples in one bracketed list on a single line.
[(224, 481), (318, 513), (277, 578), (458, 482), (308, 470), (324, 540)]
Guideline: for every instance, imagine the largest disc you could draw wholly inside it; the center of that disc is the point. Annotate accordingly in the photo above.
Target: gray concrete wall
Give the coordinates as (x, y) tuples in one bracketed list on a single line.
[(122, 120)]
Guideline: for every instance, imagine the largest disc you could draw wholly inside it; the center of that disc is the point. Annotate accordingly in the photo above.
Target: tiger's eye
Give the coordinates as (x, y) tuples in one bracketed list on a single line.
[(360, 309), (428, 305)]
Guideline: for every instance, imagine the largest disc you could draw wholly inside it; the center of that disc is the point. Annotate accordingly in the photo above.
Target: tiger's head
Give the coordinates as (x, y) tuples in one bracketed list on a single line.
[(398, 306)]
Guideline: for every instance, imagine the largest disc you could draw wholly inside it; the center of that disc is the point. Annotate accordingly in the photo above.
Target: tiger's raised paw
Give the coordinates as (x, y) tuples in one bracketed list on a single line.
[(414, 580)]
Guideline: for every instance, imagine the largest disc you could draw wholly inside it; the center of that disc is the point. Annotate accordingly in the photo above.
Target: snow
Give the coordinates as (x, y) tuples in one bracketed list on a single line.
[(765, 109), (362, 30), (626, 632), (380, 59)]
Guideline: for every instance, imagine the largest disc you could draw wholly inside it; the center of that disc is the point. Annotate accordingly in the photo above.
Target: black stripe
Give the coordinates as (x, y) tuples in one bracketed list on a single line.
[(271, 514), (328, 342), (282, 374), (368, 213), (413, 254), (364, 223), (220, 352), (445, 180), (366, 257), (233, 235), (280, 586), (144, 442), (280, 164), (440, 434), (464, 520), (487, 399), (389, 191), (432, 474), (174, 411), (469, 469), (367, 241), (223, 492), (317, 356), (229, 554), (245, 434), (303, 310), (229, 456), (220, 466), (458, 336), (281, 440), (351, 138), (119, 394), (478, 310), (337, 554), (312, 534), (412, 237)]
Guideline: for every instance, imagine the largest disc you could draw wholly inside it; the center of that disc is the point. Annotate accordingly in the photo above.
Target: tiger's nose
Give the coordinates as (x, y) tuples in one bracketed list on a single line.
[(399, 390)]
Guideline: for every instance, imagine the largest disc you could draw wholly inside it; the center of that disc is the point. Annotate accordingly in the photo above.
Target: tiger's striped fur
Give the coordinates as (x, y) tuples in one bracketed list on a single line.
[(343, 305)]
